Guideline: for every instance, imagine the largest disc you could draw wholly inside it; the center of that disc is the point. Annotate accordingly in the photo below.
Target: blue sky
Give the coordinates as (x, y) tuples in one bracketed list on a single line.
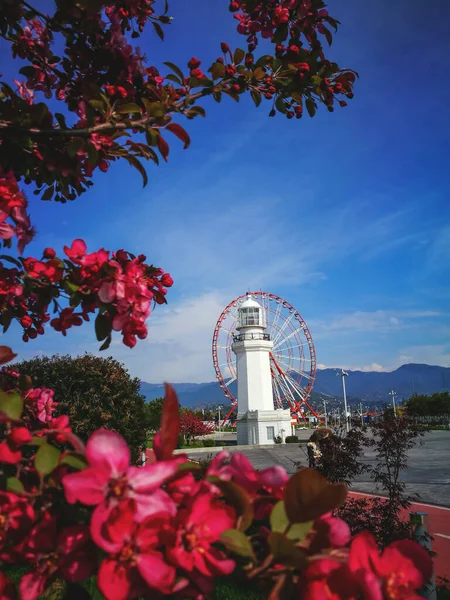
[(345, 215)]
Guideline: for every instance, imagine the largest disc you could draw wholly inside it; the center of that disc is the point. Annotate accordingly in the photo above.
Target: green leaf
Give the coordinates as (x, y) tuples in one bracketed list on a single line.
[(25, 383), (102, 327), (37, 441), (97, 104), (46, 459), (12, 260), (6, 318), (279, 522), (75, 146), (11, 404), (311, 107), (174, 78), (195, 111), (14, 485), (238, 56), (128, 108), (106, 344), (286, 552), (70, 287), (259, 73), (280, 105), (77, 462), (217, 70), (237, 542), (256, 96), (316, 80), (159, 30), (138, 165), (48, 194), (154, 109), (28, 71), (175, 69)]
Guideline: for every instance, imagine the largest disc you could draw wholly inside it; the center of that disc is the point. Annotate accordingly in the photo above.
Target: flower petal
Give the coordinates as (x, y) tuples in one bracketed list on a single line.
[(32, 585), (149, 478), (157, 502), (410, 559), (114, 580), (156, 572), (100, 532), (109, 451), (87, 486)]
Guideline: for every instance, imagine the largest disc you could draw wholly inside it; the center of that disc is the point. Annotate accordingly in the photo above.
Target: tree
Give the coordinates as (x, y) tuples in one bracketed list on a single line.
[(392, 438), (341, 454), (192, 426), (435, 405), (153, 413), (94, 392), (85, 97)]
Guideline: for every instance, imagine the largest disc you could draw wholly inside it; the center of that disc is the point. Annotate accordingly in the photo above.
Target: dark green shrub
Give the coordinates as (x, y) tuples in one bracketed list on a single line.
[(291, 439), (94, 392), (278, 439), (209, 443)]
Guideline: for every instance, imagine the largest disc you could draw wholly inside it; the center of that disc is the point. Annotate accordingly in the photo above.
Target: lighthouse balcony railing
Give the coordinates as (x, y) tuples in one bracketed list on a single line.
[(251, 336)]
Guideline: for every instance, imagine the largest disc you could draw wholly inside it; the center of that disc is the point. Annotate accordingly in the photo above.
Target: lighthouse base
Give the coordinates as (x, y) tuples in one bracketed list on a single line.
[(261, 427)]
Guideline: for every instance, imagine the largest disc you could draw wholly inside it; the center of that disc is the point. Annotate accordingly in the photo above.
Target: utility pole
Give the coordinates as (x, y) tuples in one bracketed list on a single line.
[(361, 411), (393, 394), (343, 374), (443, 381), (325, 409)]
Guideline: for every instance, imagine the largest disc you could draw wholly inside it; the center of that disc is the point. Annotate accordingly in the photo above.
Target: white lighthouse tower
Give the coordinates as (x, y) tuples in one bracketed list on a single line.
[(258, 422)]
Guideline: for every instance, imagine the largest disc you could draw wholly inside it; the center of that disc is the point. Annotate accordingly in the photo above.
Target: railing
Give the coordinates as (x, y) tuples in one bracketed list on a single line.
[(251, 336)]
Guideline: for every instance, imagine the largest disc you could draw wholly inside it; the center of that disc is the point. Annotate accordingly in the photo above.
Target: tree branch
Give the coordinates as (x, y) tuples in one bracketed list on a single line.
[(144, 123)]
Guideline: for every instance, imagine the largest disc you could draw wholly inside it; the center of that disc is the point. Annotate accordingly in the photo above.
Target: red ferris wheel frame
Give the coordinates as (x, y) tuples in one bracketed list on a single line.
[(281, 378)]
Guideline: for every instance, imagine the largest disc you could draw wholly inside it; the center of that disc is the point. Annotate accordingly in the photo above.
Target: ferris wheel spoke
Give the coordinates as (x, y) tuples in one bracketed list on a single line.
[(291, 357), (276, 317), (290, 369), (297, 387), (281, 380), (302, 345), (230, 381), (283, 327), (284, 340)]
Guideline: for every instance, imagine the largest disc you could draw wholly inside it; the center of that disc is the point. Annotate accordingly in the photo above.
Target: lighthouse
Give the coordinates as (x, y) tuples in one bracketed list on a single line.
[(258, 422)]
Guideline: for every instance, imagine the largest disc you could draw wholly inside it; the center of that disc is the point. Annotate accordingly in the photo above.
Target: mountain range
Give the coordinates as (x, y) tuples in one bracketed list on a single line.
[(365, 386)]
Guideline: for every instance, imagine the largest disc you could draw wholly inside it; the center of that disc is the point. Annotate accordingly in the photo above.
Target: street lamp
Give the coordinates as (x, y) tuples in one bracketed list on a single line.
[(344, 374), (393, 394), (219, 408), (325, 411)]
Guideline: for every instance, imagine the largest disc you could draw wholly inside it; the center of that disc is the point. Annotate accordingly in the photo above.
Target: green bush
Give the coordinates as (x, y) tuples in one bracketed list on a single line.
[(209, 443), (94, 392), (291, 439)]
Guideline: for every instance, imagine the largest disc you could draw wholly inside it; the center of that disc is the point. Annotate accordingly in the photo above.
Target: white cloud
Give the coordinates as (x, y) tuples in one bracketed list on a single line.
[(431, 354)]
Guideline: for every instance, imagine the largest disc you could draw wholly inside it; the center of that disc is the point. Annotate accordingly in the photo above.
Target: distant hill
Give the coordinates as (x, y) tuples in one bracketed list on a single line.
[(367, 386)]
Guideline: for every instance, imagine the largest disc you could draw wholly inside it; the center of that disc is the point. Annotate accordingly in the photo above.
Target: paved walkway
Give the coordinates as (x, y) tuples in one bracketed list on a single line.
[(428, 475)]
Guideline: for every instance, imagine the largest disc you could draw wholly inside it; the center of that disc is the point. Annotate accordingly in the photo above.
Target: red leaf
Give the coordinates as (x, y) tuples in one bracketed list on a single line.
[(170, 423), (6, 354), (163, 147), (181, 133)]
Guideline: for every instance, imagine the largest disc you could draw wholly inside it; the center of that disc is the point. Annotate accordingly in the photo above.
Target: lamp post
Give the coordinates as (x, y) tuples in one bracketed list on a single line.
[(343, 374), (325, 410), (219, 408), (393, 394)]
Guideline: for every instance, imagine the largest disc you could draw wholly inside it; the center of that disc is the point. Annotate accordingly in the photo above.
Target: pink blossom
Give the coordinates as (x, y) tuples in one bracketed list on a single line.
[(136, 561), (114, 486)]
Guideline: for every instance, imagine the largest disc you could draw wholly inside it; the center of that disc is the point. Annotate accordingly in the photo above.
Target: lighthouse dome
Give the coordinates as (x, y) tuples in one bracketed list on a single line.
[(251, 314)]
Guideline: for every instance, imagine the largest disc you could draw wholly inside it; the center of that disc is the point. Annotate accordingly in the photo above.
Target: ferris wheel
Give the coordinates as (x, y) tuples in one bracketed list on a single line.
[(292, 359)]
